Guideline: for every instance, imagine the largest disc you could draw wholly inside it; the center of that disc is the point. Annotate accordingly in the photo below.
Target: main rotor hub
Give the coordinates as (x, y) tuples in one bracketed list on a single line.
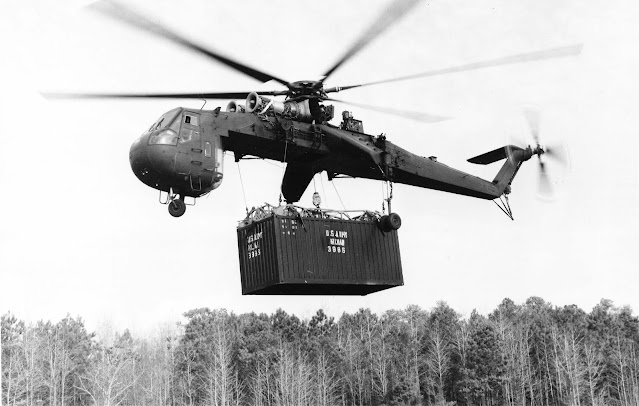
[(307, 88)]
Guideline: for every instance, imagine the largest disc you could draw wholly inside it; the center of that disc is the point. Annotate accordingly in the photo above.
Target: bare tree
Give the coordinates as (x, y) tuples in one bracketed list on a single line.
[(352, 353), (294, 376), (219, 372), (380, 355), (14, 366), (109, 377), (625, 371), (573, 371), (326, 380), (415, 345), (187, 381), (57, 359), (260, 383), (594, 367), (156, 364), (32, 347), (461, 343), (437, 362), (505, 329)]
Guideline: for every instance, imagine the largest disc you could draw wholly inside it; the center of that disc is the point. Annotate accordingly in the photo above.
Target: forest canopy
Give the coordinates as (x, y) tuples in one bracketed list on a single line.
[(519, 354)]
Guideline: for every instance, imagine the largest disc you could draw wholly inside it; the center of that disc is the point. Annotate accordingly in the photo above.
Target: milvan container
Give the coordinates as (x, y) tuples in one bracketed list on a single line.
[(295, 255)]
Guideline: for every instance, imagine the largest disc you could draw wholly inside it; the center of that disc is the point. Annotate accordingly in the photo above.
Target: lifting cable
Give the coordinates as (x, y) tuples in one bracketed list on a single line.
[(324, 191), (283, 169), (242, 184), (338, 196)]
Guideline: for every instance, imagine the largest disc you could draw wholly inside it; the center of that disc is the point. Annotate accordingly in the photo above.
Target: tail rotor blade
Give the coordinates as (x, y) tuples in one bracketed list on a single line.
[(532, 116), (545, 187), (558, 153)]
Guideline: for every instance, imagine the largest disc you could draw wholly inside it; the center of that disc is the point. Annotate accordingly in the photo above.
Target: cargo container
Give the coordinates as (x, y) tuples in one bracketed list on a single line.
[(306, 252)]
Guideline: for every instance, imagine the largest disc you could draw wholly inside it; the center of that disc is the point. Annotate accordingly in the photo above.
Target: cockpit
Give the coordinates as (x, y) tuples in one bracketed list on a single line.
[(166, 120), (165, 130)]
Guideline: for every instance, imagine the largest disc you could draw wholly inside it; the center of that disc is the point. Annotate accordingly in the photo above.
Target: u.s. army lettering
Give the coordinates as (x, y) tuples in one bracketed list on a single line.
[(336, 241)]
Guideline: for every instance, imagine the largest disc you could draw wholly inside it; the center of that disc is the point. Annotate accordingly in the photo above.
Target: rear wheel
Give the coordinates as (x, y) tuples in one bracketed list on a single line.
[(394, 221), (177, 207), (390, 222)]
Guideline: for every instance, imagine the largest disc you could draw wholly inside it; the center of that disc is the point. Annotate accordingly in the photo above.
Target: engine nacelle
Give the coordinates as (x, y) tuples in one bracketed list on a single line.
[(233, 107), (255, 102), (300, 111)]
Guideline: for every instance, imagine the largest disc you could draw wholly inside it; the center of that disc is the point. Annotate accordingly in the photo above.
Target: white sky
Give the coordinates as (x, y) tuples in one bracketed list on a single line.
[(80, 234)]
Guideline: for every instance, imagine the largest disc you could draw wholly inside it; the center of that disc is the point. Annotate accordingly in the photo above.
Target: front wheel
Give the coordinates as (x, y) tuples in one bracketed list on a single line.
[(177, 207)]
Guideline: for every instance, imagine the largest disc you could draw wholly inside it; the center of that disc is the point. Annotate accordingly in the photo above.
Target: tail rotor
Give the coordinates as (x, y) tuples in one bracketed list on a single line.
[(545, 153)]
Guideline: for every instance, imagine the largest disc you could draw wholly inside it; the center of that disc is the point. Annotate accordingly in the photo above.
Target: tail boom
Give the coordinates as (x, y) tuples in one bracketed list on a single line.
[(514, 157)]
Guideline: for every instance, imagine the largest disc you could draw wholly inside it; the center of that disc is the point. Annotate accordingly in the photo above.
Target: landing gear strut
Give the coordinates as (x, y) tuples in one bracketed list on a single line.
[(177, 207), (175, 201)]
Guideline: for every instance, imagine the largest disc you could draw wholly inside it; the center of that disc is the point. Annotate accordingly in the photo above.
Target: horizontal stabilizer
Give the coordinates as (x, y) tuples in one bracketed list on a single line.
[(493, 156)]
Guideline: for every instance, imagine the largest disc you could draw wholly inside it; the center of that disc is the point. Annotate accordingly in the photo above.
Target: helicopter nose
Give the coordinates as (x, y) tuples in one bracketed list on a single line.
[(148, 163), (139, 158), (152, 164)]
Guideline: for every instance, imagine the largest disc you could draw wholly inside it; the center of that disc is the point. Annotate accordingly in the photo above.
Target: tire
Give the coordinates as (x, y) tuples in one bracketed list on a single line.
[(394, 221), (177, 207), (390, 222)]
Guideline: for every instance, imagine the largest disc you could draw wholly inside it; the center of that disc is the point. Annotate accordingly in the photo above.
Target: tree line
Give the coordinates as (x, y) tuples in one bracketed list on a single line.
[(528, 354)]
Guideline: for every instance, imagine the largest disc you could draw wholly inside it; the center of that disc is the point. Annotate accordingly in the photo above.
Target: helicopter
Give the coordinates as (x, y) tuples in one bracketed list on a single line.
[(182, 153)]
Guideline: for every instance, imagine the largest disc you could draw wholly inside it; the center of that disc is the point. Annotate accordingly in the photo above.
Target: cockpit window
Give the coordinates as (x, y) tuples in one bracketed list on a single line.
[(190, 127), (156, 125), (190, 119), (166, 120)]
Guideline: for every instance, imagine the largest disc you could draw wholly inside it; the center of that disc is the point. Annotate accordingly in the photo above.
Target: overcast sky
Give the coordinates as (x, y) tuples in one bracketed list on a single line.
[(80, 234)]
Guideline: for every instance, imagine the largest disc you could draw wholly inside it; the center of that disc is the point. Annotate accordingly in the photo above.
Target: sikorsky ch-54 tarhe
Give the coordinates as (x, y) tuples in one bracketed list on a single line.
[(182, 152)]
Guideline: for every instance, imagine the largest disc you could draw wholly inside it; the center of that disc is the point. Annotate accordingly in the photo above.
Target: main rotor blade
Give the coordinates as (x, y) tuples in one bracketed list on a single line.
[(418, 116), (390, 15), (123, 14), (218, 95), (560, 52)]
